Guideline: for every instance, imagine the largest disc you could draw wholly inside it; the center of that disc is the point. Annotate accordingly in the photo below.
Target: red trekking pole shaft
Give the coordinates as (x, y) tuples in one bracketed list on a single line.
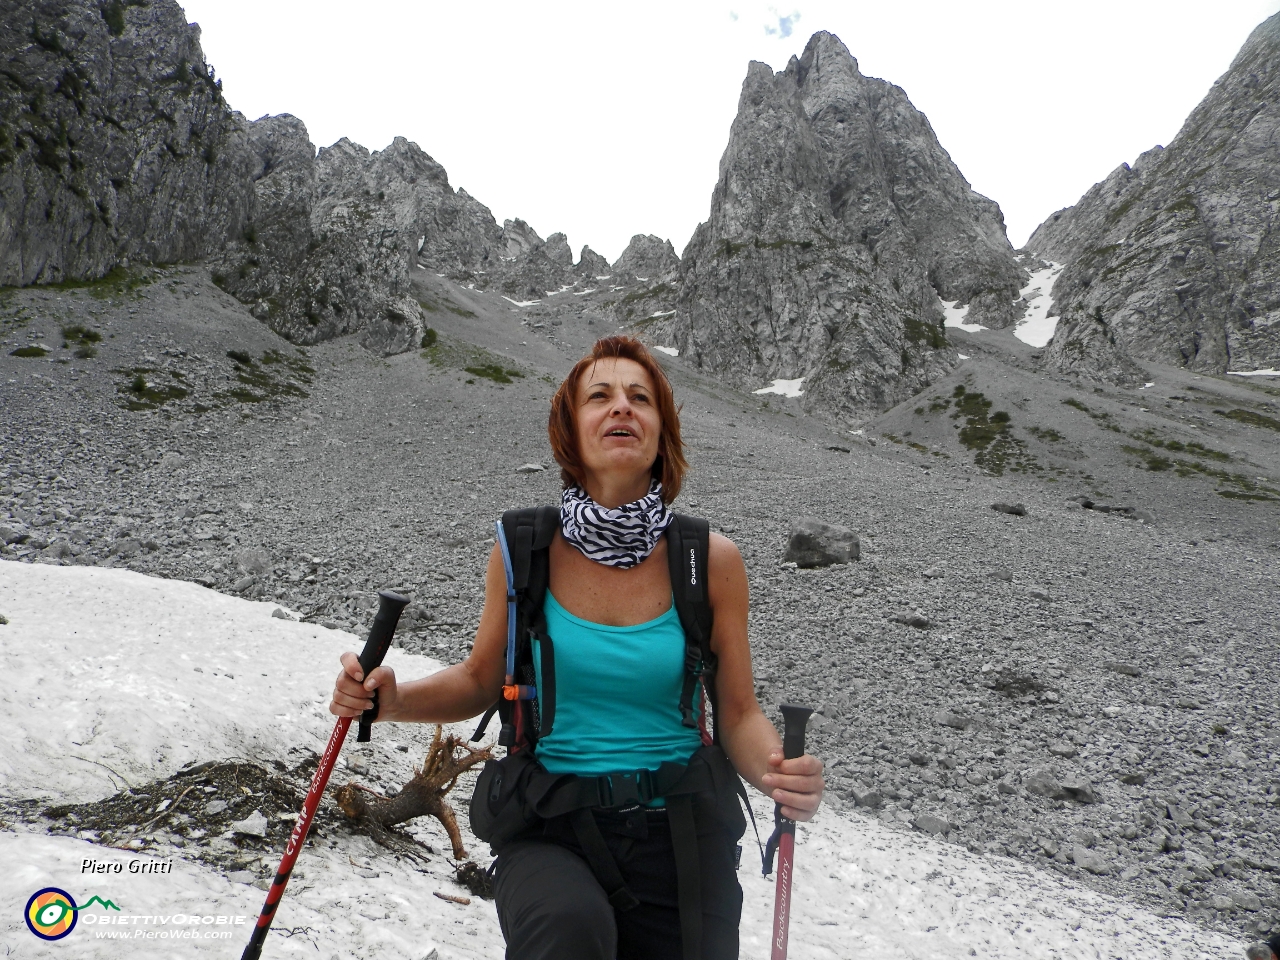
[(794, 720), (375, 648)]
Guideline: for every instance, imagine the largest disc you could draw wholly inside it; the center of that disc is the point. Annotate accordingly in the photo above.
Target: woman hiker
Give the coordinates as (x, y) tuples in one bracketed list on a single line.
[(619, 668)]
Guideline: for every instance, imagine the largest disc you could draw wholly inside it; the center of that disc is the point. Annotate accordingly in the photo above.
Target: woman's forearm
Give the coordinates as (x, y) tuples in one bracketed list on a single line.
[(451, 695), (749, 740)]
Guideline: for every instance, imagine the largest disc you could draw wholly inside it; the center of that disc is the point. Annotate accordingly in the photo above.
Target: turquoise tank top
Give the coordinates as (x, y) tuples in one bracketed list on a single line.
[(617, 697)]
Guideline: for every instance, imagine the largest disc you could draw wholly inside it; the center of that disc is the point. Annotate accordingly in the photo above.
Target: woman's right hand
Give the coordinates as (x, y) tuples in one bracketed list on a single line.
[(352, 692)]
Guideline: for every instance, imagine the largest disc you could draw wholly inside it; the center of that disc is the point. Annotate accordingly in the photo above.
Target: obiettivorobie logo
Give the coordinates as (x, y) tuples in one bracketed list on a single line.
[(52, 913)]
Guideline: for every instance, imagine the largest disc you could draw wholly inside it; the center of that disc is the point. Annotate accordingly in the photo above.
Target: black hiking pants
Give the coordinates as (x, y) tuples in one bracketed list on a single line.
[(551, 907)]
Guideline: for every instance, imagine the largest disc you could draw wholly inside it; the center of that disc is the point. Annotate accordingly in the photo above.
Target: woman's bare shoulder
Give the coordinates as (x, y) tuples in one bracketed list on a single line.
[(723, 559)]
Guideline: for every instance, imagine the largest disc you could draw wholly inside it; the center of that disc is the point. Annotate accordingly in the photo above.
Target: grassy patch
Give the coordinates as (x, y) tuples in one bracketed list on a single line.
[(938, 404), (731, 249), (636, 296), (1239, 486), (1177, 446), (275, 376), (494, 372), (1251, 418), (1150, 459), (987, 435), (146, 388), (449, 354), (78, 333), (428, 338), (29, 352), (1048, 434), (117, 283), (1103, 419), (83, 339)]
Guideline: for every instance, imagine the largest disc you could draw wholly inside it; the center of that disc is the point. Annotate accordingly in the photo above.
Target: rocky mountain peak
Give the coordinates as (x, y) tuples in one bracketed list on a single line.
[(649, 257), (592, 264), (837, 221), (557, 250), (519, 239)]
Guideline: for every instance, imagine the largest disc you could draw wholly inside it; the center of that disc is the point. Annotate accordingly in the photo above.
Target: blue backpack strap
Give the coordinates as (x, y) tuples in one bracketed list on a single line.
[(524, 537), (688, 544)]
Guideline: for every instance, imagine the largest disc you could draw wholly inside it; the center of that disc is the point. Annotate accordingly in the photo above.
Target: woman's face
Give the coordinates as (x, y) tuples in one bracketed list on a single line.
[(618, 421)]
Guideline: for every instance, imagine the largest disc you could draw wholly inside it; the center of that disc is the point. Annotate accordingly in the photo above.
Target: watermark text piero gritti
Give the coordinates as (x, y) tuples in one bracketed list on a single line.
[(133, 866)]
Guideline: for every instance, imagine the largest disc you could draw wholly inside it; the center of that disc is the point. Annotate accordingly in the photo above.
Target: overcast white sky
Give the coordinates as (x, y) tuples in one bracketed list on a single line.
[(604, 120)]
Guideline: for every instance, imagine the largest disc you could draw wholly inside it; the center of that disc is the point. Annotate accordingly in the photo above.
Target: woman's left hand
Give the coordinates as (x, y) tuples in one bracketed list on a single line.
[(795, 784)]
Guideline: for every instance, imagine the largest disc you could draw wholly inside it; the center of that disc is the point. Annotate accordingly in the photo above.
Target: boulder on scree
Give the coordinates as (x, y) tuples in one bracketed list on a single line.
[(813, 543)]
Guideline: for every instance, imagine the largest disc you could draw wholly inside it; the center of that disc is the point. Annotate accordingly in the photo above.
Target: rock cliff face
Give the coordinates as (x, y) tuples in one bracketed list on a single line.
[(115, 141), (1180, 254), (837, 222)]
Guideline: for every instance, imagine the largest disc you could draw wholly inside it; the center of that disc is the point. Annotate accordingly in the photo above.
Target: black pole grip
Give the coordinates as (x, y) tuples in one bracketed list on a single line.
[(375, 649), (794, 719)]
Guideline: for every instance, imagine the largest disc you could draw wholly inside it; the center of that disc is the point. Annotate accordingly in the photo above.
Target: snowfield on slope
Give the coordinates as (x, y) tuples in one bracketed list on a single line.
[(114, 675), (1037, 326)]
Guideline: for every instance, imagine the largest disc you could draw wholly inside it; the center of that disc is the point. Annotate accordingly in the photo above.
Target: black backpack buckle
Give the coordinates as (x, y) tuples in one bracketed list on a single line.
[(625, 788)]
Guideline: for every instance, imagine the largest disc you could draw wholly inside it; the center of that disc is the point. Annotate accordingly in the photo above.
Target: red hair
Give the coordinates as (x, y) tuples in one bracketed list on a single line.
[(562, 426)]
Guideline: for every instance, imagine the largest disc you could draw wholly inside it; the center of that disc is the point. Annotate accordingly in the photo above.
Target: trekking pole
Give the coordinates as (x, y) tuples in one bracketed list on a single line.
[(784, 833), (375, 648)]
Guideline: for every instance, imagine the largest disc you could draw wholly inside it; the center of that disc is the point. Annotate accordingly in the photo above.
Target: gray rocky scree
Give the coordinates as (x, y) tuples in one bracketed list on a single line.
[(1178, 256), (115, 141), (837, 221), (814, 543)]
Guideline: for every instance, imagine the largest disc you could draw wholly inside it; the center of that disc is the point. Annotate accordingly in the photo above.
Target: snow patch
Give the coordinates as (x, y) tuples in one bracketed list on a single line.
[(1037, 326), (956, 316), (522, 303), (669, 351), (787, 388), (165, 673), (963, 356), (660, 314), (1254, 373), (583, 293)]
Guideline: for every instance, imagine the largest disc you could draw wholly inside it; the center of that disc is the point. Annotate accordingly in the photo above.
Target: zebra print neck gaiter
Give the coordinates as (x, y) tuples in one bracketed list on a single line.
[(619, 537)]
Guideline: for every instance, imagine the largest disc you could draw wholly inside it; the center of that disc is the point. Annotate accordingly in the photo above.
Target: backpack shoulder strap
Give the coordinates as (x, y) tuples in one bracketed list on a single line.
[(688, 543), (528, 532)]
